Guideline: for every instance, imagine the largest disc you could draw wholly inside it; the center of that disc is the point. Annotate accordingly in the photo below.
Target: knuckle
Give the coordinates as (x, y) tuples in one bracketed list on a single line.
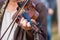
[(28, 24)]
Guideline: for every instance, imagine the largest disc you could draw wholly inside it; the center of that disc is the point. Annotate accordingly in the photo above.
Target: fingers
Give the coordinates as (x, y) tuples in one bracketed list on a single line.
[(21, 20), (28, 24), (24, 24), (33, 21)]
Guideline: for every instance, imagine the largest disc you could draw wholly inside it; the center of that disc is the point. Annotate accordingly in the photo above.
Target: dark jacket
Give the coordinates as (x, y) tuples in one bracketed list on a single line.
[(21, 35)]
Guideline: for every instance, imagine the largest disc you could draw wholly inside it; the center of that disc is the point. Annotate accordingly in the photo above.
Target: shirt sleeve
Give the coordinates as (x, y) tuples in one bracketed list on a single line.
[(42, 17)]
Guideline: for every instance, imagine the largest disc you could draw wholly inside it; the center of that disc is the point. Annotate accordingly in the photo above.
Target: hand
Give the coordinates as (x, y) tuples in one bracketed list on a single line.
[(24, 24), (50, 11)]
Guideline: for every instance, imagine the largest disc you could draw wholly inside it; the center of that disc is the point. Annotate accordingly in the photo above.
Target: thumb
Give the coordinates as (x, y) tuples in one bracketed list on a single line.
[(33, 21)]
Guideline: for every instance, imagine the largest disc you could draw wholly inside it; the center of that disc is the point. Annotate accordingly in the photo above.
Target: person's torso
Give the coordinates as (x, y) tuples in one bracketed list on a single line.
[(7, 19)]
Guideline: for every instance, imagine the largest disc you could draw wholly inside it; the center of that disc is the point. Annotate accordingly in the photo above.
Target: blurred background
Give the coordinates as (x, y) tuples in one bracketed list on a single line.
[(55, 17)]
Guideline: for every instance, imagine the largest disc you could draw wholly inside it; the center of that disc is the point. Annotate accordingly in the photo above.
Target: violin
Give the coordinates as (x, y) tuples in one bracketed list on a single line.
[(30, 10)]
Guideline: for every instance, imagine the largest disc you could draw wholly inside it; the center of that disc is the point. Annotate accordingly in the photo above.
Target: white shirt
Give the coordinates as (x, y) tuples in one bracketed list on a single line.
[(6, 21)]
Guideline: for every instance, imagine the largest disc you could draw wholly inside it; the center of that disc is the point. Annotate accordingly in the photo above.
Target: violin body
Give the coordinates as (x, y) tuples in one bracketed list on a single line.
[(30, 10)]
